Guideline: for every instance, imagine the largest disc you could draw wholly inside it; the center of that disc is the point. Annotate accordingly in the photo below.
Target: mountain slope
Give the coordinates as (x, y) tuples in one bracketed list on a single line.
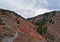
[(52, 22), (14, 28)]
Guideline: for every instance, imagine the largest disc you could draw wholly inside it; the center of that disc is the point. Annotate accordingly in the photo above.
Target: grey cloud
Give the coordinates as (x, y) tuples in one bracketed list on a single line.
[(28, 8)]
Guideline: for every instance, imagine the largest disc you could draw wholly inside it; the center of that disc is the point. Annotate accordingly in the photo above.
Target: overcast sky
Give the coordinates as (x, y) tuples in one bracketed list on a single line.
[(30, 8)]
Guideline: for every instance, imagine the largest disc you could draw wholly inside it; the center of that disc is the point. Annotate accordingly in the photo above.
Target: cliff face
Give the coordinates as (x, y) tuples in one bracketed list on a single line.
[(14, 28), (52, 22)]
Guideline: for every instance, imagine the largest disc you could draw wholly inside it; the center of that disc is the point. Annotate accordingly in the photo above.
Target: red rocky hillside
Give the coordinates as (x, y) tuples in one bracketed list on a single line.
[(14, 28), (51, 21)]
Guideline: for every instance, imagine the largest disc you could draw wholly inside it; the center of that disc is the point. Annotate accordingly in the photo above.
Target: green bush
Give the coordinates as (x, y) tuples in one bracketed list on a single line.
[(42, 28), (0, 21), (18, 22)]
